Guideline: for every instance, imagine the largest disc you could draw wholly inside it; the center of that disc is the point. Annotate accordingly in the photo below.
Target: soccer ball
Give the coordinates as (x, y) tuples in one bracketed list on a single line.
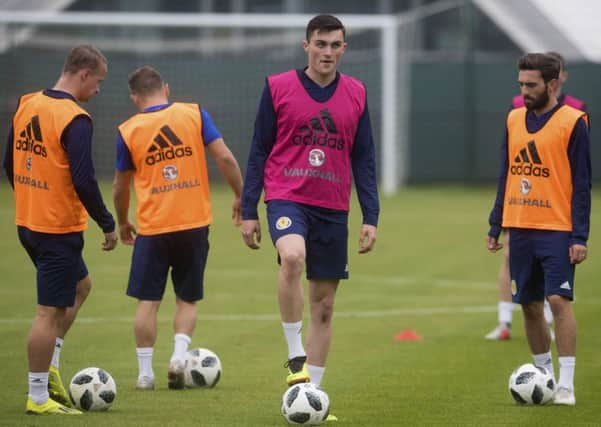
[(202, 368), (531, 385), (92, 389), (305, 404)]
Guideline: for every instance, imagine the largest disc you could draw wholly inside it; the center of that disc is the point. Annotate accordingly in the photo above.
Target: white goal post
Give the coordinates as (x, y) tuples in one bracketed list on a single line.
[(393, 144)]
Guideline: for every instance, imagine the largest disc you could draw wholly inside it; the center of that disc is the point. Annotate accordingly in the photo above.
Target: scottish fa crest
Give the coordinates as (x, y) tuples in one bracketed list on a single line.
[(317, 157), (170, 172)]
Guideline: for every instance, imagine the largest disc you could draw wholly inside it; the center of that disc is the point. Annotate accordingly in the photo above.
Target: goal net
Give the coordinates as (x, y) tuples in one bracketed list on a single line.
[(217, 60)]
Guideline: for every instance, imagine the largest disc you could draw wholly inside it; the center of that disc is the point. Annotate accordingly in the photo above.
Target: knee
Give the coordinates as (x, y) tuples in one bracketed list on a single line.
[(533, 311), (557, 303), (50, 315), (324, 310), (147, 310), (185, 307), (293, 261)]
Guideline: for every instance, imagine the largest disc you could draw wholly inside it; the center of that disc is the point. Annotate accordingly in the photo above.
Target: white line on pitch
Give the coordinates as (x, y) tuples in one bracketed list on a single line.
[(275, 317)]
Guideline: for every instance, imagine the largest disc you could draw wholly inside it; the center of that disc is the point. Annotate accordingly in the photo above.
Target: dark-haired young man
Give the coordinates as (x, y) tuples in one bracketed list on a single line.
[(48, 161), (544, 200), (312, 132)]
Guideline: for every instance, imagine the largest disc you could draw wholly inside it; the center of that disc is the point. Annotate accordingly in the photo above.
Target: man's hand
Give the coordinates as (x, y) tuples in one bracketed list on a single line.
[(127, 233), (249, 229), (492, 244), (110, 241), (367, 238), (577, 253)]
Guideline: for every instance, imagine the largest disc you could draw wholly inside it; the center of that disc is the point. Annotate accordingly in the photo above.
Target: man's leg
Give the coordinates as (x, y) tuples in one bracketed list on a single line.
[(291, 250), (549, 318), (40, 346), (82, 291), (184, 322), (322, 294), (58, 264), (55, 384), (565, 329), (505, 305), (145, 332), (537, 333)]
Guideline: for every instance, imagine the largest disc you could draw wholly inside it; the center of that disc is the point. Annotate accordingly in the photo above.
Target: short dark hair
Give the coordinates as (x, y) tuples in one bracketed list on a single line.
[(558, 57), (547, 65), (326, 23), (144, 81), (82, 57)]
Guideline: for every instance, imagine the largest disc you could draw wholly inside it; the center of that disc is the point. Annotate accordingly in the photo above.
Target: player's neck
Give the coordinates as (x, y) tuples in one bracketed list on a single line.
[(321, 80), (64, 84), (152, 101)]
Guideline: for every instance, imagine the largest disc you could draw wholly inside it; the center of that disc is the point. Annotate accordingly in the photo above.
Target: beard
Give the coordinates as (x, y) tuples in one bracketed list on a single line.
[(538, 102)]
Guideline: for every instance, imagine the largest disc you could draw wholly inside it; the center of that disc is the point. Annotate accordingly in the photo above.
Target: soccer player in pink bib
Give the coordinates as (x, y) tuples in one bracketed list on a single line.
[(312, 132)]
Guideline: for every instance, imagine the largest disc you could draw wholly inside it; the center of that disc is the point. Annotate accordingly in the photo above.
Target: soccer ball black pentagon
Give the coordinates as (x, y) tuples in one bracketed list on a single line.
[(305, 404), (92, 389), (202, 368), (531, 385)]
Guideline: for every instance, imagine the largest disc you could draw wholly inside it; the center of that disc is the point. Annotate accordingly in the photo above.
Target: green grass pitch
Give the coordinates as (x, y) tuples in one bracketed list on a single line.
[(430, 272)]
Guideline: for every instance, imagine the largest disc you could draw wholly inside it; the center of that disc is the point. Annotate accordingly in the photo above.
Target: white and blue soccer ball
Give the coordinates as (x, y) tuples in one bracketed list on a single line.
[(531, 385), (202, 368), (305, 403), (93, 389)]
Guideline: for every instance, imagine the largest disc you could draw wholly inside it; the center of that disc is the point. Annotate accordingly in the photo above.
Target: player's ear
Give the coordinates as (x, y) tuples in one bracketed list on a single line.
[(166, 89), (552, 85), (84, 73)]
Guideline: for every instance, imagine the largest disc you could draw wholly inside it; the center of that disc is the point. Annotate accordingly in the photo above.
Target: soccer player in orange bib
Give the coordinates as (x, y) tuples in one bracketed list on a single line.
[(544, 200), (162, 149), (48, 161), (505, 306)]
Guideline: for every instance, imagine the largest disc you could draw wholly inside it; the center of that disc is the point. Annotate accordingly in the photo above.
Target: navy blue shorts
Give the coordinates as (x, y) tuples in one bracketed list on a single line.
[(185, 252), (539, 263), (325, 232), (59, 264)]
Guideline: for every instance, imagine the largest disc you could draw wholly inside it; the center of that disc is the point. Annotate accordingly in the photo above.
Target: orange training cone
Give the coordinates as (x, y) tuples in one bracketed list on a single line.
[(407, 335)]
